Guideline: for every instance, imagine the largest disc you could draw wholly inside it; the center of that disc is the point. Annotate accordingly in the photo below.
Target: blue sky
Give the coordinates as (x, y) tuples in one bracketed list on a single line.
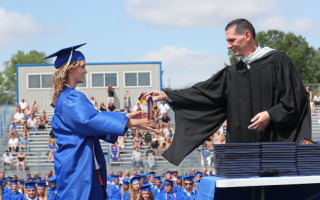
[(186, 35)]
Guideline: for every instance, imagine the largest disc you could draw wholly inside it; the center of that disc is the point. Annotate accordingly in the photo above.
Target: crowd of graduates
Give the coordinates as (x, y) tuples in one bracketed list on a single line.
[(30, 189), (152, 187)]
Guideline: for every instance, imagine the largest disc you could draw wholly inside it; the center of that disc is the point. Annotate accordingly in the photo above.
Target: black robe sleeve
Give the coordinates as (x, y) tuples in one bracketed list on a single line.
[(291, 116), (199, 112)]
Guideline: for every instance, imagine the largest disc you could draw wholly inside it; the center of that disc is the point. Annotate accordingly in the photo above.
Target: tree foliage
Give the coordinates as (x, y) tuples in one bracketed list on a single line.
[(8, 78)]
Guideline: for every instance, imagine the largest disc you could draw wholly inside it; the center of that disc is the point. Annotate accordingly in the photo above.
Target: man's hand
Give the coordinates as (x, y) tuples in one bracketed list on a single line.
[(156, 95), (138, 115), (261, 121)]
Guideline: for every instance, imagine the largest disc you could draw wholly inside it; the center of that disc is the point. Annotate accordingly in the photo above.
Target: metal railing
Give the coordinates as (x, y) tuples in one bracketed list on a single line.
[(4, 118)]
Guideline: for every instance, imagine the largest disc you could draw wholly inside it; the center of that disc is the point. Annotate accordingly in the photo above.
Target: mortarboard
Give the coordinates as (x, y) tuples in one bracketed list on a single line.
[(41, 184), (151, 173), (9, 178), (179, 178), (169, 182), (21, 182), (188, 177), (14, 182), (66, 56), (52, 179), (1, 181), (125, 181), (157, 178), (143, 176), (30, 185), (145, 187), (199, 173), (134, 179), (30, 180), (115, 177), (168, 172)]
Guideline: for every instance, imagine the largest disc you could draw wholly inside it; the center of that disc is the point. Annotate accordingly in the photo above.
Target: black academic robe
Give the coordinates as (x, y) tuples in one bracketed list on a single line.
[(237, 94)]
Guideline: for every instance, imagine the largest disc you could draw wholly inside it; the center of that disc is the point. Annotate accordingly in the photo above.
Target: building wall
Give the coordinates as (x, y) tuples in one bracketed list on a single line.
[(44, 96)]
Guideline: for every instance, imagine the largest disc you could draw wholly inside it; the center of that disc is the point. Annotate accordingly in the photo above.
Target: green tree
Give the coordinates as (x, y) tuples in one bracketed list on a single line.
[(8, 84), (232, 58)]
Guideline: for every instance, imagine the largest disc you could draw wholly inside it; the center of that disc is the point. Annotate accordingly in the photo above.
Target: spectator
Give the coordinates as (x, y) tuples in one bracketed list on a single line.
[(136, 157), (188, 173), (26, 131), (168, 142), (165, 170), (164, 108), (209, 142), (127, 110), (2, 179), (114, 153), (312, 107), (137, 107), (23, 104), (111, 107), (174, 175), (32, 123), (134, 174), (102, 107), (161, 140), (14, 177), (19, 117), (21, 160), (110, 177), (216, 136), (49, 174), (205, 155), (165, 120), (126, 97), (35, 176), (141, 171), (166, 130), (13, 143), (41, 123), (156, 107), (156, 119), (137, 139), (316, 99), (27, 177), (27, 112), (151, 160), (51, 136), (204, 171), (120, 175), (110, 91), (24, 143), (211, 172), (93, 101), (193, 172), (51, 148), (7, 160), (121, 142), (126, 175), (13, 129), (45, 117), (34, 106), (170, 135), (18, 107), (155, 144), (309, 92)]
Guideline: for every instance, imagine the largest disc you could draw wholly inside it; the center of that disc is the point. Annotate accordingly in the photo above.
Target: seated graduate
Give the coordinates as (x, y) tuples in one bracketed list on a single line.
[(178, 185), (151, 178), (146, 193), (167, 177), (133, 193), (189, 192), (168, 192), (8, 186), (197, 179), (14, 194), (42, 191), (114, 190), (143, 178), (52, 191), (125, 187), (31, 191), (78, 126), (21, 187), (157, 188)]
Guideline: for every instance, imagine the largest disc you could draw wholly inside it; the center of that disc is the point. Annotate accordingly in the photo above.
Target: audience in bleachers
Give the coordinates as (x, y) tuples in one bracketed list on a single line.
[(168, 142), (52, 147), (7, 159), (41, 124), (19, 117), (34, 106), (165, 120), (102, 107), (32, 123), (21, 160), (137, 107), (126, 175), (205, 155), (136, 157), (114, 153), (27, 113), (121, 141), (45, 117), (127, 99), (51, 137), (23, 105), (111, 107), (151, 160), (316, 99), (13, 143), (13, 129), (26, 131), (137, 140), (163, 108), (127, 110), (24, 143), (161, 139), (93, 101)]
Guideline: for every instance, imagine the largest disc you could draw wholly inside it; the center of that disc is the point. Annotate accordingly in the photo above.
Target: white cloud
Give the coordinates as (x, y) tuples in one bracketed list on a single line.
[(17, 28), (185, 67)]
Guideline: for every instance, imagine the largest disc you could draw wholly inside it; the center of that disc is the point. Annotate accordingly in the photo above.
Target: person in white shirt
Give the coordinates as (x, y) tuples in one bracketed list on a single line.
[(93, 101), (13, 143), (19, 117), (164, 108), (7, 160), (23, 104), (166, 130), (137, 107), (32, 123), (316, 99)]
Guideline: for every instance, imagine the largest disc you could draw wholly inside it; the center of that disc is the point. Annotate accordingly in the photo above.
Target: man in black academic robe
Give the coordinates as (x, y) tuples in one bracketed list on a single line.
[(262, 97)]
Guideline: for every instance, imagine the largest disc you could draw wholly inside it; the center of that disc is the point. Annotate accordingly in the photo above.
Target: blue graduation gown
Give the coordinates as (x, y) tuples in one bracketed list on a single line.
[(170, 196), (11, 196), (155, 192), (126, 195), (6, 190), (177, 189), (77, 125), (184, 196), (114, 193)]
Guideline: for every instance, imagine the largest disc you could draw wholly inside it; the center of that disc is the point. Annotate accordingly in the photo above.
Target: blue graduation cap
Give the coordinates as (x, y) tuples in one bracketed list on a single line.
[(30, 185), (199, 173), (152, 173), (9, 178), (157, 178), (30, 180), (168, 172), (143, 176), (134, 179), (21, 182), (14, 182), (41, 184), (115, 177), (179, 178), (188, 177), (169, 182), (125, 181), (145, 187), (52, 179)]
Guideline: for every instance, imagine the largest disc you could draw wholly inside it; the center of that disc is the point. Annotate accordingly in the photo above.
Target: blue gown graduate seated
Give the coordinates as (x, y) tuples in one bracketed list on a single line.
[(78, 126), (125, 182), (31, 185), (6, 189), (151, 174), (155, 190), (127, 195), (13, 196), (52, 191), (178, 188), (114, 191), (168, 196)]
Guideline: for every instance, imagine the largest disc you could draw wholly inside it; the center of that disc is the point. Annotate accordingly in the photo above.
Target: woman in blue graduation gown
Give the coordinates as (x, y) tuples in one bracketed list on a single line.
[(80, 166)]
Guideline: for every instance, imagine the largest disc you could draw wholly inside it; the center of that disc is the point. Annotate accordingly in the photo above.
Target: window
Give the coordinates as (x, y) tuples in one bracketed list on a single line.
[(137, 79), (104, 79), (37, 81)]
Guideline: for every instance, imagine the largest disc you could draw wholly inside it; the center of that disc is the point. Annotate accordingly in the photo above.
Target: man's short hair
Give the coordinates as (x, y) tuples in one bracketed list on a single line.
[(241, 26)]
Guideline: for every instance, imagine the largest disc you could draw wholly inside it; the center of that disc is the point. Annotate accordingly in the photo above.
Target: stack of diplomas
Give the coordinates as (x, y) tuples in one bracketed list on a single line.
[(308, 159), (236, 160)]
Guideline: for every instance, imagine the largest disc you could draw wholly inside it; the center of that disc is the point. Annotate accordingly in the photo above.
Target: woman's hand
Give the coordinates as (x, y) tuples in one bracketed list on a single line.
[(144, 124), (156, 95), (138, 115)]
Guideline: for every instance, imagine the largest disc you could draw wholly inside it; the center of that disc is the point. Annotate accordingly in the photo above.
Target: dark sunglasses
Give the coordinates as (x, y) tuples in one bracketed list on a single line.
[(188, 183)]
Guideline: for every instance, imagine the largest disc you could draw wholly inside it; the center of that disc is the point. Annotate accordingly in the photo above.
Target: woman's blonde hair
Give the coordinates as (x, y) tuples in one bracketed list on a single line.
[(45, 195), (123, 190), (60, 82), (1, 191), (34, 102), (132, 192)]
